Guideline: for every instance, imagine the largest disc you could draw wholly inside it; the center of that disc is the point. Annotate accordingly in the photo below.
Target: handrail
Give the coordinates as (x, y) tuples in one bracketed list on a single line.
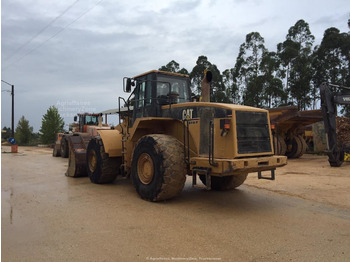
[(211, 144), (186, 142)]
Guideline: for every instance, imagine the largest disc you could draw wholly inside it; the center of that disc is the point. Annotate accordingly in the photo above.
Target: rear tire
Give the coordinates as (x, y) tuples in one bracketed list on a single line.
[(303, 146), (56, 152), (64, 147), (225, 182), (279, 145), (294, 147), (158, 169), (101, 168)]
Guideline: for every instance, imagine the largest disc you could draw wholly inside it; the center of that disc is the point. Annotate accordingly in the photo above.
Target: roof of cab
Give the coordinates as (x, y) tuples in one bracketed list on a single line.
[(161, 72)]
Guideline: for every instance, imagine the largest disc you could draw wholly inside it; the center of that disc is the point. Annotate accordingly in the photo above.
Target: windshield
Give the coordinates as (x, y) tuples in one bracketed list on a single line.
[(91, 120), (177, 86)]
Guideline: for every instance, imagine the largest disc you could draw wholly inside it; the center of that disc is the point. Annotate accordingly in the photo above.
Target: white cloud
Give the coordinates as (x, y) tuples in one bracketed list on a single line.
[(87, 60)]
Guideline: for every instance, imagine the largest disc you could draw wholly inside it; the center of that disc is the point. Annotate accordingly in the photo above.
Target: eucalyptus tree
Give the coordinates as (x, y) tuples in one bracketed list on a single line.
[(173, 67), (248, 77), (231, 89), (218, 92), (295, 53), (332, 60), (274, 95)]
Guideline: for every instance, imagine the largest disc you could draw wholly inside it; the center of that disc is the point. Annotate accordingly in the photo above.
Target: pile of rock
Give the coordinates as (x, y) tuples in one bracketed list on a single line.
[(343, 131)]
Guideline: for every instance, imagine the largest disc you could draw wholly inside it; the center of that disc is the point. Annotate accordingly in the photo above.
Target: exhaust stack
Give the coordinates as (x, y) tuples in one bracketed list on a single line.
[(206, 85)]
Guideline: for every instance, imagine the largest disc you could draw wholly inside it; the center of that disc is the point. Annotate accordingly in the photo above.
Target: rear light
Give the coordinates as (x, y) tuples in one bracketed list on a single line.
[(225, 125)]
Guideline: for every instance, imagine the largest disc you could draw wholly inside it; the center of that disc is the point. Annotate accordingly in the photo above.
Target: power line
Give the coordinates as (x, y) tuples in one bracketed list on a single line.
[(54, 35), (40, 31)]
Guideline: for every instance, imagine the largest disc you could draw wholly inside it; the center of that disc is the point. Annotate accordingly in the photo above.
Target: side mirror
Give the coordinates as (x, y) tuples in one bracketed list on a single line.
[(75, 118), (127, 84)]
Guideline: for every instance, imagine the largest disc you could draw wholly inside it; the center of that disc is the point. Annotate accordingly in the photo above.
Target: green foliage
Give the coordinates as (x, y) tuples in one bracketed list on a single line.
[(7, 134), (296, 58), (51, 124), (23, 132), (231, 89), (289, 76), (197, 73), (173, 67), (255, 73), (218, 89)]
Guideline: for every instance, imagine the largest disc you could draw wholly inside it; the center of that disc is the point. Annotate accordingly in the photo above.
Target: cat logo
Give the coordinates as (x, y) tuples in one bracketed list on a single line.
[(187, 114)]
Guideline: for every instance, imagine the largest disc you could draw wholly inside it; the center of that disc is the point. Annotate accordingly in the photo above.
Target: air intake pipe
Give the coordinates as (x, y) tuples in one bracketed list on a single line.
[(206, 85)]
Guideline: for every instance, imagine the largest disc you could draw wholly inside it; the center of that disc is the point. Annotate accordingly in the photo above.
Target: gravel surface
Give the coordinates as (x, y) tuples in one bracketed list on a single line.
[(304, 215)]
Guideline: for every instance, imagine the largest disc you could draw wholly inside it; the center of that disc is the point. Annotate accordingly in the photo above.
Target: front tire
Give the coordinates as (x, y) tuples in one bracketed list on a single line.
[(101, 168), (56, 152), (64, 149), (158, 169)]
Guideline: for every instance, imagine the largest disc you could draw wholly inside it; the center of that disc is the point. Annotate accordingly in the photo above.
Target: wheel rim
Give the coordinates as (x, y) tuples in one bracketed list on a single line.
[(145, 168), (92, 160)]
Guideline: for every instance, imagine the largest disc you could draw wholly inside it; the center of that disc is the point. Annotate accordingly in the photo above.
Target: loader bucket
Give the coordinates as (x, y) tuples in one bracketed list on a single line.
[(77, 155)]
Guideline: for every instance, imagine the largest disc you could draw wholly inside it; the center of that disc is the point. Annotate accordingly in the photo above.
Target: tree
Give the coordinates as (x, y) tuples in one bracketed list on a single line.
[(173, 67), (7, 134), (51, 124), (274, 95), (218, 92), (331, 59), (198, 72), (295, 54), (231, 90), (287, 52), (23, 132), (247, 73)]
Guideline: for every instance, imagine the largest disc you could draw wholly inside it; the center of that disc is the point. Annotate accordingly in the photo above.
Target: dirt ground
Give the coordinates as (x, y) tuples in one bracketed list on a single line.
[(304, 215)]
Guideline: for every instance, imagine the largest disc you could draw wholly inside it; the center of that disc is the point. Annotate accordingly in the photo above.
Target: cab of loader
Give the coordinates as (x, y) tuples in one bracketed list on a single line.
[(155, 89), (86, 120)]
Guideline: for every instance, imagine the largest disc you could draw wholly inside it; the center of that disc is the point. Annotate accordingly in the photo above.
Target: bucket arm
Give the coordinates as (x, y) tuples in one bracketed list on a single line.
[(329, 101)]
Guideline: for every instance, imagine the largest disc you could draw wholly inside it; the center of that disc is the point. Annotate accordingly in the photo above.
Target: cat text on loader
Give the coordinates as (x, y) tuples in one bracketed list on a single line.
[(163, 136)]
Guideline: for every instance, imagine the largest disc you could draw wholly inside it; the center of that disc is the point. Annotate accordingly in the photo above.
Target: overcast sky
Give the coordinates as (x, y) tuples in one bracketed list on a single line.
[(73, 54)]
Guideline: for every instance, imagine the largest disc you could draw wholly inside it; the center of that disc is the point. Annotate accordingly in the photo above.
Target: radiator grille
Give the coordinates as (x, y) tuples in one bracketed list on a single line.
[(252, 132)]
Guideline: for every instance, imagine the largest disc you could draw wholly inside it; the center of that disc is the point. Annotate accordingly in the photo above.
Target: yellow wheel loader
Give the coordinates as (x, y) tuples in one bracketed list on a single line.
[(164, 136), (87, 123)]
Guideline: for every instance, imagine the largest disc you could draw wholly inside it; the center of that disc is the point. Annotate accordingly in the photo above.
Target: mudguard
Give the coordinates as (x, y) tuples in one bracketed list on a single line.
[(112, 142)]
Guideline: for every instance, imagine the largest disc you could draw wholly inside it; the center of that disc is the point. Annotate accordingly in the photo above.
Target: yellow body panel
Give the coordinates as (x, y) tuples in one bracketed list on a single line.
[(112, 142), (229, 167), (219, 105)]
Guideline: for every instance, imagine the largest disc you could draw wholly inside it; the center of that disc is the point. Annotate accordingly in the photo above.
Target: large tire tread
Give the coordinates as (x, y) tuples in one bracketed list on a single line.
[(294, 147), (64, 147), (56, 152), (170, 168), (107, 167), (303, 146), (279, 145)]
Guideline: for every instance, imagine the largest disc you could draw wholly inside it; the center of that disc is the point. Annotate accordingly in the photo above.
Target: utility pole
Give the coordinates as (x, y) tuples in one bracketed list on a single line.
[(13, 108)]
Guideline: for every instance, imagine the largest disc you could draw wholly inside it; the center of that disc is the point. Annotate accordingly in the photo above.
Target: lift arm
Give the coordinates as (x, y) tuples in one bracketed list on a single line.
[(329, 101)]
